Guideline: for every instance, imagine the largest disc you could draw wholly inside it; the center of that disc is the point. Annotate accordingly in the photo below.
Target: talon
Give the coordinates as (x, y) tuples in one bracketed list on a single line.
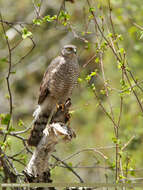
[(67, 118), (63, 107)]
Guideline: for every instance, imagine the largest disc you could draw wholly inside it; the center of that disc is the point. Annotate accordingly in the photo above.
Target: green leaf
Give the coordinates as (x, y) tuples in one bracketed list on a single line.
[(70, 164), (132, 172), (104, 45), (37, 22), (97, 60), (3, 146), (103, 91), (82, 33), (90, 17), (64, 17), (7, 96), (122, 177), (102, 18), (11, 128), (121, 50), (121, 153), (122, 82), (13, 72), (125, 88), (80, 80), (3, 60), (120, 64), (5, 118), (20, 123), (49, 18), (93, 87), (92, 9), (88, 78), (93, 73), (141, 35), (38, 4), (120, 37), (88, 32), (26, 33), (114, 139), (110, 35)]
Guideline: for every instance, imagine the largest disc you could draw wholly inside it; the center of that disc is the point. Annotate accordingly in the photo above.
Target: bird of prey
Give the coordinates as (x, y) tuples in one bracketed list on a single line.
[(56, 87)]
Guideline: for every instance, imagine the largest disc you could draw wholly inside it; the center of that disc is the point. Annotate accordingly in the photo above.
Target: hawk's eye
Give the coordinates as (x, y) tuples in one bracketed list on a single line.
[(69, 49)]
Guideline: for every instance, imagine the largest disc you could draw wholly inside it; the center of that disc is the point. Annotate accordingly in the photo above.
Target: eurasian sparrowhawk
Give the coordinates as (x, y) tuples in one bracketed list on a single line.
[(56, 87)]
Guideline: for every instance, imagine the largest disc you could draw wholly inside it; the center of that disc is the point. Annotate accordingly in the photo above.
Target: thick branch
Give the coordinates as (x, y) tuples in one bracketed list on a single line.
[(38, 168)]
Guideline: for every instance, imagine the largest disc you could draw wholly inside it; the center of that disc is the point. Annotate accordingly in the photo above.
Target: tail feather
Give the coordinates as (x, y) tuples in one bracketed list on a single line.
[(61, 114), (40, 122)]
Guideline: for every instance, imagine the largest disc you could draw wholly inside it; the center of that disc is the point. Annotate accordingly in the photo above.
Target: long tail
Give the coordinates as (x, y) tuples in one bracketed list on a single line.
[(61, 114), (39, 125)]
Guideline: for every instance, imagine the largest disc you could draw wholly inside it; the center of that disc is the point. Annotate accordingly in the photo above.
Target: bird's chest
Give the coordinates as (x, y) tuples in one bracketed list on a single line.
[(65, 75), (64, 79)]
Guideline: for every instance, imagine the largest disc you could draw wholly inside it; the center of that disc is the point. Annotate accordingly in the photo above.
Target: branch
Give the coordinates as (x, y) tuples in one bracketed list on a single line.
[(8, 75), (68, 167), (38, 168), (89, 149)]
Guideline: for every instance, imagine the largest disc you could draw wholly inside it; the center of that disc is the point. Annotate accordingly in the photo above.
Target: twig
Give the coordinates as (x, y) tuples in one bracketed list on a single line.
[(76, 35), (27, 148), (104, 110), (134, 92), (19, 32), (16, 160), (8, 76), (68, 167), (138, 26), (24, 131), (118, 157), (89, 149), (101, 32), (129, 141), (12, 23), (87, 167), (113, 29), (17, 154), (16, 44), (137, 84), (89, 61), (37, 9), (7, 165), (17, 136), (105, 85), (23, 57)]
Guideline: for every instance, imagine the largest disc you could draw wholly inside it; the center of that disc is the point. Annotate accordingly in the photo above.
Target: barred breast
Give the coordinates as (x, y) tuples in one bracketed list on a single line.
[(64, 79)]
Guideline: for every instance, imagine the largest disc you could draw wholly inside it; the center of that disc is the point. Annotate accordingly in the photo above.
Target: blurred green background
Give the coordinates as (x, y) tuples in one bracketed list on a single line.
[(91, 125)]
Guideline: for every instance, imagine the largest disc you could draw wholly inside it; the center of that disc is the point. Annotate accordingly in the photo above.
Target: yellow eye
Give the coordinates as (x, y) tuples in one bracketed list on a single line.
[(69, 49)]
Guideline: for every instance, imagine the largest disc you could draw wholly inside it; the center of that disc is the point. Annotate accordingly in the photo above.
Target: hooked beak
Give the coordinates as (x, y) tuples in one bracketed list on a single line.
[(75, 51)]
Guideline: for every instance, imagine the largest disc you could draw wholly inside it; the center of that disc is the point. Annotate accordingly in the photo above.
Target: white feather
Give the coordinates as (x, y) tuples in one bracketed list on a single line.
[(60, 128), (37, 112)]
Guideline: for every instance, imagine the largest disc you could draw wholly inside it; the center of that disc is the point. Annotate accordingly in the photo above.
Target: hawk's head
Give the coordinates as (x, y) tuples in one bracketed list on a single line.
[(69, 51)]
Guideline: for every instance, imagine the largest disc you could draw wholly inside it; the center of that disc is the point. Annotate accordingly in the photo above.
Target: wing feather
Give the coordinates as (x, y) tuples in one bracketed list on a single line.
[(45, 84)]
